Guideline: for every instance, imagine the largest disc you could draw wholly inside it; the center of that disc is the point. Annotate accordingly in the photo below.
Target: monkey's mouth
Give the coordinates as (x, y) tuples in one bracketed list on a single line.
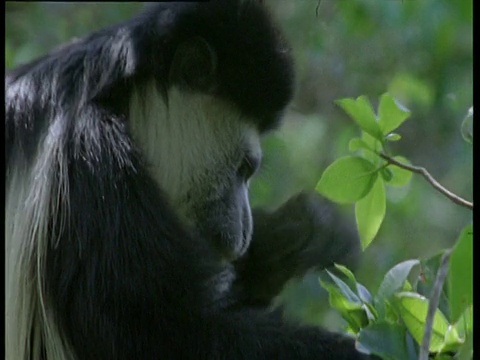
[(231, 246)]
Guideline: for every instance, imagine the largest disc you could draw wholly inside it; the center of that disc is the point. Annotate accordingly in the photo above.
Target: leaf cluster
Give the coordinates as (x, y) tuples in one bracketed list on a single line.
[(361, 178), (403, 318), (391, 322)]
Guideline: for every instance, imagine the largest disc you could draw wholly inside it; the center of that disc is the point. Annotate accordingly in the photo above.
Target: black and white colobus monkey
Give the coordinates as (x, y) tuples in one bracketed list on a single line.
[(128, 227)]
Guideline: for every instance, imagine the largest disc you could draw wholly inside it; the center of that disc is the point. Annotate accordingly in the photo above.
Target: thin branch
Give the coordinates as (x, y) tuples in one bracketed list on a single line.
[(422, 171), (317, 8), (433, 304)]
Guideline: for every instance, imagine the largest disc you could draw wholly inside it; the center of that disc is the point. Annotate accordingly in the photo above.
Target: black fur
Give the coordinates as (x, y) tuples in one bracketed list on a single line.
[(304, 233), (124, 279)]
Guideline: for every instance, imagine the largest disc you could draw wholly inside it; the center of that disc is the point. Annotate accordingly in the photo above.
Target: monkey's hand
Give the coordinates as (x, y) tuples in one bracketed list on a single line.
[(304, 233)]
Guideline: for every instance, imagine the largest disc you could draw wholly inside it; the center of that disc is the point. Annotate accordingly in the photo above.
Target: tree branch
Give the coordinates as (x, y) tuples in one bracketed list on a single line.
[(422, 171), (433, 304)]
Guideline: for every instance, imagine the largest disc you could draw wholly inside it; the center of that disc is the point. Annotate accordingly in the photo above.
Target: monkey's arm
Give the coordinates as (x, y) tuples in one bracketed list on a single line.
[(304, 233)]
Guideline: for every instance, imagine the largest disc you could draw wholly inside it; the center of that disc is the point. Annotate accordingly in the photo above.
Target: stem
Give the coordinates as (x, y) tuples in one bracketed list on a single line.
[(433, 304), (317, 8), (422, 171)]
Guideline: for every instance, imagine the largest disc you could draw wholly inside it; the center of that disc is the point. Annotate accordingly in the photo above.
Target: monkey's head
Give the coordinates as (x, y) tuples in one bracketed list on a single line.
[(199, 121)]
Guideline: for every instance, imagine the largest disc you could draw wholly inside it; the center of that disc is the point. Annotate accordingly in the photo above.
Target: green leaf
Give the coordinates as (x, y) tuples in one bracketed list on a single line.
[(452, 340), (392, 282), (390, 313), (358, 144), (356, 318), (346, 302), (345, 271), (407, 286), (400, 177), (345, 289), (370, 312), (395, 278), (364, 294), (413, 310), (393, 137), (386, 174), (391, 114), (374, 146), (370, 212), (464, 325), (466, 350), (460, 276), (348, 179), (385, 340), (447, 356), (361, 290), (337, 298), (426, 281), (360, 110)]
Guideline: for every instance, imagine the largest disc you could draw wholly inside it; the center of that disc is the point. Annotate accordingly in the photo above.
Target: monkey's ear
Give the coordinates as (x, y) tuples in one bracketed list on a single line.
[(194, 65)]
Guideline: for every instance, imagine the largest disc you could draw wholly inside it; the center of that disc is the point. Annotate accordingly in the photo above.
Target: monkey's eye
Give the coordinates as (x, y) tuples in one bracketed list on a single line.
[(248, 166)]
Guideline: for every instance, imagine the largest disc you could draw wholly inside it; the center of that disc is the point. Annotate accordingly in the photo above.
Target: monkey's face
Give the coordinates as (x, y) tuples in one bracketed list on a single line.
[(201, 149), (202, 152)]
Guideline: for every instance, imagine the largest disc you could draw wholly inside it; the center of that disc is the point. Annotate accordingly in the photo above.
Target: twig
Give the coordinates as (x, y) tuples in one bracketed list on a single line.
[(433, 304), (317, 8), (422, 171)]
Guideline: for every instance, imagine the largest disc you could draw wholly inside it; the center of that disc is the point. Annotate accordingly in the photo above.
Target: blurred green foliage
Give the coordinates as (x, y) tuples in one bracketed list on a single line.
[(419, 51)]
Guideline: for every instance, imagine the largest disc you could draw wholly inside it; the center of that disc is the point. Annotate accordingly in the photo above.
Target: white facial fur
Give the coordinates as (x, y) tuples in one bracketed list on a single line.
[(193, 144)]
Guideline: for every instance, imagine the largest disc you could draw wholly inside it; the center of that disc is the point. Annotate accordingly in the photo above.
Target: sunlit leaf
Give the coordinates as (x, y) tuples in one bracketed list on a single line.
[(413, 310), (346, 303), (358, 144), (393, 137), (346, 271), (375, 146), (347, 292), (391, 114), (347, 180), (370, 212), (360, 110), (452, 340)]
